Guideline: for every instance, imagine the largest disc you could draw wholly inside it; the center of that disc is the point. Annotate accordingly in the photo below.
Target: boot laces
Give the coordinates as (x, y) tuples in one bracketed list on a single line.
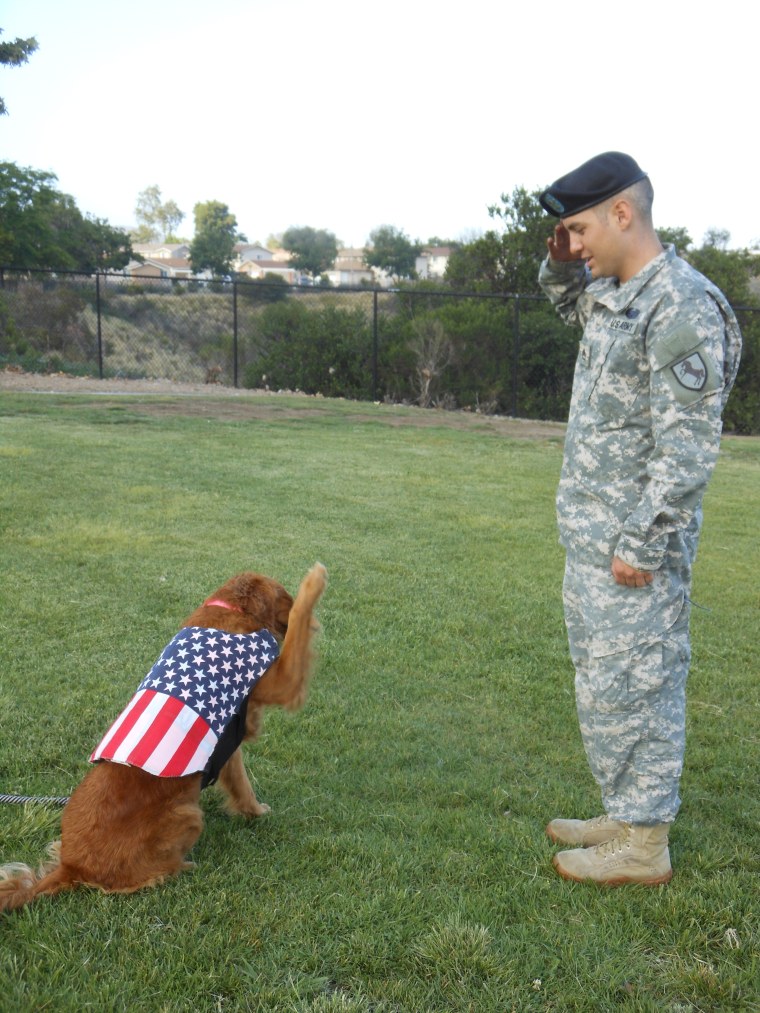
[(598, 821), (616, 845)]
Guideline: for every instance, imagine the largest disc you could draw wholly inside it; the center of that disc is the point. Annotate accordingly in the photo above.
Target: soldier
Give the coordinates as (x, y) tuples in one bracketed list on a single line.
[(658, 357)]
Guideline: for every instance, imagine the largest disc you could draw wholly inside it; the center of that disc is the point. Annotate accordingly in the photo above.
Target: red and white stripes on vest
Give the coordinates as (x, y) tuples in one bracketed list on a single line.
[(195, 692)]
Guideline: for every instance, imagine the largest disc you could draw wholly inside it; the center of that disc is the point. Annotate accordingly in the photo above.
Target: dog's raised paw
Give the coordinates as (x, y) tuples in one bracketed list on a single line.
[(315, 581), (319, 570)]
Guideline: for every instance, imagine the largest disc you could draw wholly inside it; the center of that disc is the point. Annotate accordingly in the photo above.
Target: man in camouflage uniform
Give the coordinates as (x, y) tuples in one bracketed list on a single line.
[(658, 357)]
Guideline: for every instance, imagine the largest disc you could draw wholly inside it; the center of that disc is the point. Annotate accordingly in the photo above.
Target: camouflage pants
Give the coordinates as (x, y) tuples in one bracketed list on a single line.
[(630, 648)]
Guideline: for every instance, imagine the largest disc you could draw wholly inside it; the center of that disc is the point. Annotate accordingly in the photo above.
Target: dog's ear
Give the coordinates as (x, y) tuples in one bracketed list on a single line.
[(261, 598), (243, 587), (282, 611)]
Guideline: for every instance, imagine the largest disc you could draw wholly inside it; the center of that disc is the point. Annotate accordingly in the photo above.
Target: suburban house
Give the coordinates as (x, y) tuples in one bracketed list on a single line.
[(432, 262), (162, 267), (171, 260), (245, 252), (260, 268), (349, 269), (162, 251), (161, 260)]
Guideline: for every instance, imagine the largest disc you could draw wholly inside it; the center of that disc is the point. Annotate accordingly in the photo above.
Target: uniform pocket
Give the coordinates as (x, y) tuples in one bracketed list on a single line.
[(622, 680), (621, 379), (634, 659)]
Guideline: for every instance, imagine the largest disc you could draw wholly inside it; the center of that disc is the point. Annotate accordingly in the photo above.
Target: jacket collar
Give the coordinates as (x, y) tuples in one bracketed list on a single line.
[(616, 297)]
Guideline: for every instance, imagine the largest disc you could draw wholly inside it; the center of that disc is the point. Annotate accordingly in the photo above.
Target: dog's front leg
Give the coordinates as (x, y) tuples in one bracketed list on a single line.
[(241, 797), (286, 681)]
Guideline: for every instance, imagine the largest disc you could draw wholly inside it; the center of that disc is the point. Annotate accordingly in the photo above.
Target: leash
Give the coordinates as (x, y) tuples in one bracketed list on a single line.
[(43, 799)]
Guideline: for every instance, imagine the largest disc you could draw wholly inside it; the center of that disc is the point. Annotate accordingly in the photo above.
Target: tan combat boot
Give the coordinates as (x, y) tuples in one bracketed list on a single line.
[(587, 833), (639, 854)]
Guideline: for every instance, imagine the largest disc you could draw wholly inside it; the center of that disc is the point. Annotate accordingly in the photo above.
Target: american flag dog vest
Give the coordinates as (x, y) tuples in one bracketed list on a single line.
[(188, 713)]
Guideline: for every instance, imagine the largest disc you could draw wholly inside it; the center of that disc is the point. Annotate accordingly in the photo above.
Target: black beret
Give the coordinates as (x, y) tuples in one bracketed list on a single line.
[(591, 183)]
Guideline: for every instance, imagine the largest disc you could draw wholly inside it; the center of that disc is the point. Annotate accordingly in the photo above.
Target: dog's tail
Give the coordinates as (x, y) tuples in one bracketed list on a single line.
[(20, 885)]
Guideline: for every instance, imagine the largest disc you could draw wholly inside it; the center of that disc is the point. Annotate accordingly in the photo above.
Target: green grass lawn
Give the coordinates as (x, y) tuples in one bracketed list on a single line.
[(404, 865)]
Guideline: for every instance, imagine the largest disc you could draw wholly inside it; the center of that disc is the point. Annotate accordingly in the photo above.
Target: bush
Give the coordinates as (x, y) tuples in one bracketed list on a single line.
[(486, 366), (44, 319), (271, 288), (434, 348), (324, 350), (742, 414)]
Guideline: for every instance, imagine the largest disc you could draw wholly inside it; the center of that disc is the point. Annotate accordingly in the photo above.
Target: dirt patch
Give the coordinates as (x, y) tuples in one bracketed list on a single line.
[(64, 383), (165, 397)]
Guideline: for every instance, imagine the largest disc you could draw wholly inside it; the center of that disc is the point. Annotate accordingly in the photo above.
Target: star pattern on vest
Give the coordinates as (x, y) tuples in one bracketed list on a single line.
[(211, 671)]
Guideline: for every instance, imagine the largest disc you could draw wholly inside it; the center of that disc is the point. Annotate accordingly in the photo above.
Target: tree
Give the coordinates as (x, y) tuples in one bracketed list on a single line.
[(101, 247), (392, 251), (476, 266), (678, 236), (312, 250), (717, 239), (215, 236), (433, 351), (156, 220), (506, 261), (26, 201), (14, 54), (40, 227), (439, 241), (731, 270)]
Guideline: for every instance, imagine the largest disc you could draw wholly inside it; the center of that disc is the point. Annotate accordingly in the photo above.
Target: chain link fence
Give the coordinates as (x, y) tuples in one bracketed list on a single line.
[(503, 354)]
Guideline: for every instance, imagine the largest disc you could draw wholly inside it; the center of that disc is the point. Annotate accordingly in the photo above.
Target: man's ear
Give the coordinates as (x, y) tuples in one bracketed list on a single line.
[(621, 213)]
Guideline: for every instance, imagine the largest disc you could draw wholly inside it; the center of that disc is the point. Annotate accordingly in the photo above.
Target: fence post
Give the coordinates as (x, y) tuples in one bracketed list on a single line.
[(234, 335), (515, 354), (374, 345), (100, 332)]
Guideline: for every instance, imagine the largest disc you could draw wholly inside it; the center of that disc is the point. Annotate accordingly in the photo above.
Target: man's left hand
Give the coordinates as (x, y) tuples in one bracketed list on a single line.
[(625, 574)]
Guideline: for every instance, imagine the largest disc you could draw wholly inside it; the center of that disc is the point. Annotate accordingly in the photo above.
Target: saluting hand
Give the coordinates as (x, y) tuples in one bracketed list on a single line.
[(558, 245)]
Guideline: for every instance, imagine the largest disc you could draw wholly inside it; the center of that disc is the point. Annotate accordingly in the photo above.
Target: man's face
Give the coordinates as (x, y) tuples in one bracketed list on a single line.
[(594, 238)]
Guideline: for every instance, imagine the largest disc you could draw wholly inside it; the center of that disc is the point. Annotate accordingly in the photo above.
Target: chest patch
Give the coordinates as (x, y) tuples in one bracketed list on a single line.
[(624, 325)]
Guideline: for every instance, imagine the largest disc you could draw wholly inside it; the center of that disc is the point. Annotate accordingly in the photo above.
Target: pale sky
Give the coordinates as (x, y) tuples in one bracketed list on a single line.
[(348, 115)]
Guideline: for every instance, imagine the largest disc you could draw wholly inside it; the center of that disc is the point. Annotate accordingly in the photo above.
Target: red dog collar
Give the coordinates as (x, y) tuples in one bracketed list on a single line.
[(221, 604)]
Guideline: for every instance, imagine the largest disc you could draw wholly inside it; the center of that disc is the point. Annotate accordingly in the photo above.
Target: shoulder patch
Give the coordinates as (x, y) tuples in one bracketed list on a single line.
[(691, 372), (691, 377)]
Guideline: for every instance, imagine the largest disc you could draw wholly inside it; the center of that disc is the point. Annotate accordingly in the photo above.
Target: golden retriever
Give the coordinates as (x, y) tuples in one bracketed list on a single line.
[(124, 827)]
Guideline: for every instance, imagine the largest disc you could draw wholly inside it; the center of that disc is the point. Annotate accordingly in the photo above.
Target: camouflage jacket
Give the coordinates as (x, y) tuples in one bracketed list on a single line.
[(657, 360)]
